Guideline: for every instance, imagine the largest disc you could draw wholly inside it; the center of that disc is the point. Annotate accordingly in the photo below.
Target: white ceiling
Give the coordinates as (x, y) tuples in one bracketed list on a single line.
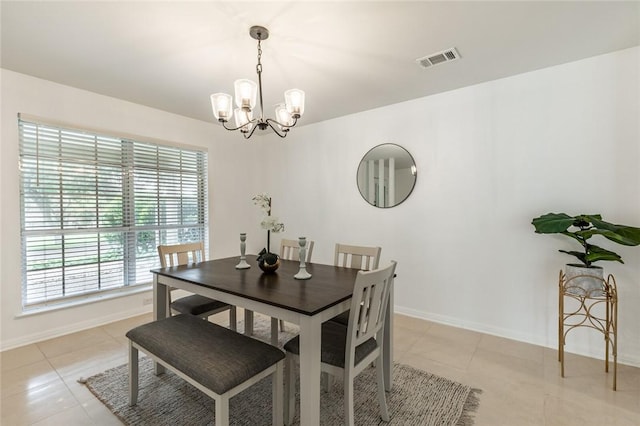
[(347, 56)]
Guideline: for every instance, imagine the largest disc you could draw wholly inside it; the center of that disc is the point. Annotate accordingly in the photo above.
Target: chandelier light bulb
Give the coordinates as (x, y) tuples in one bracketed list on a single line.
[(294, 98), (222, 106), (243, 120), (283, 117), (245, 94)]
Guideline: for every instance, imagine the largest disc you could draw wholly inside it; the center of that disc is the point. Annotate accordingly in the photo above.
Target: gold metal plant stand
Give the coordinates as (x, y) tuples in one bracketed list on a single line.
[(585, 316)]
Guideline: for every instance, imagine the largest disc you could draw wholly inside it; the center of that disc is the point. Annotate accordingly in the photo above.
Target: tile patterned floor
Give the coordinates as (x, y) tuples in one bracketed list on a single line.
[(521, 382)]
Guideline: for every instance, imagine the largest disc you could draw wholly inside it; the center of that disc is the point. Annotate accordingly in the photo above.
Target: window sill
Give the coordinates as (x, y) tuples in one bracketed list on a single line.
[(72, 303)]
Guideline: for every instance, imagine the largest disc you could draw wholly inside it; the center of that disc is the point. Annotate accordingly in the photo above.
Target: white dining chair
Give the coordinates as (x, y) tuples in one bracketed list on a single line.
[(360, 257), (347, 350), (290, 250), (194, 304)]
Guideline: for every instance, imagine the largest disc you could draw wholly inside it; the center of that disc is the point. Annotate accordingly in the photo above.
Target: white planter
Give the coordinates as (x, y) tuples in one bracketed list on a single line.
[(583, 281)]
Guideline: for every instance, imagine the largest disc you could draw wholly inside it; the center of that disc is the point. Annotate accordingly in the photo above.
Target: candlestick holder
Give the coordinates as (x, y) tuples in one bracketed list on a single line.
[(302, 274), (243, 247)]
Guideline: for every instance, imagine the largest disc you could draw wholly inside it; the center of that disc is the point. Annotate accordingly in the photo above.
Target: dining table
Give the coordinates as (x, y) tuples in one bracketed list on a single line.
[(307, 303)]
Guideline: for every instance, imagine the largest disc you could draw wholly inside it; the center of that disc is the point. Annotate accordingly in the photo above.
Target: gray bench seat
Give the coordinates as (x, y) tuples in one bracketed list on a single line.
[(199, 306), (216, 360)]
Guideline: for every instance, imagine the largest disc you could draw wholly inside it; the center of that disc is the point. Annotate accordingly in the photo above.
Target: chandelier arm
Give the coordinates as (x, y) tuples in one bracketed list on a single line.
[(254, 121), (282, 135), (247, 136), (286, 126)]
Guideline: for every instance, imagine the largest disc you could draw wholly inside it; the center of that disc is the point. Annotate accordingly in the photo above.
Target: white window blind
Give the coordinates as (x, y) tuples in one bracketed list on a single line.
[(95, 208)]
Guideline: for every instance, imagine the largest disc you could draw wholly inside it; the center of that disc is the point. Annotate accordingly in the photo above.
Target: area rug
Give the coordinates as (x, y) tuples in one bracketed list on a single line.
[(417, 398)]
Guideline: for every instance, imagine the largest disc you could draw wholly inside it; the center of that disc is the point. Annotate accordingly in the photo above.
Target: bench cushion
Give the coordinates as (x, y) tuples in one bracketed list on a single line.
[(334, 343), (196, 304), (214, 356)]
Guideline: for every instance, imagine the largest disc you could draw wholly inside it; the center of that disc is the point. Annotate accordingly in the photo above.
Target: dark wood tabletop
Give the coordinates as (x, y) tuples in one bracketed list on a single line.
[(328, 286)]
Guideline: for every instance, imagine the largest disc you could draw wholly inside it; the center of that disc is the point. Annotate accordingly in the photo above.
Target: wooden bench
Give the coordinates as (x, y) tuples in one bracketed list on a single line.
[(218, 361)]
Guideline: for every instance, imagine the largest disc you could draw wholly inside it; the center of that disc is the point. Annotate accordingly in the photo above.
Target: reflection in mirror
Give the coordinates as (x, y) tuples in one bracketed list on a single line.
[(386, 175)]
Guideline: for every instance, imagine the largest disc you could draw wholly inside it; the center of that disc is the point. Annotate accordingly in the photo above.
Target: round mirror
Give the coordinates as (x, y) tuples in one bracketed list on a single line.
[(386, 175)]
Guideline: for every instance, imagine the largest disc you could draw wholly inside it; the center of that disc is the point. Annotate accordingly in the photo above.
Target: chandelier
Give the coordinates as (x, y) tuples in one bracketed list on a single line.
[(286, 113)]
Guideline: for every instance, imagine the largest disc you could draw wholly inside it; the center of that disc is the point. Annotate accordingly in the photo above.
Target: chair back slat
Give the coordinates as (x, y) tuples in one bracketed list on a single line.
[(358, 257), (181, 254), (290, 250), (368, 306)]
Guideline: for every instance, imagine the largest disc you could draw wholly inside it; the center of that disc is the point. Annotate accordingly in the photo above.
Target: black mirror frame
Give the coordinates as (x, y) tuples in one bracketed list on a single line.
[(412, 186)]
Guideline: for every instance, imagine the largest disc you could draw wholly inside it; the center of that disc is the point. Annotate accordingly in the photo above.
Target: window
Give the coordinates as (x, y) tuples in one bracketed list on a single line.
[(95, 207)]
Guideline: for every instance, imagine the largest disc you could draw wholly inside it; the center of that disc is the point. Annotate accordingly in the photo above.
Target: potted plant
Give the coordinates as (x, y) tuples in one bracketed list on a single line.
[(582, 228), (268, 261)]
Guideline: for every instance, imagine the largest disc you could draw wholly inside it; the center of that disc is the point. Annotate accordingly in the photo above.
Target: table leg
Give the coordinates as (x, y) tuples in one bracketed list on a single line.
[(275, 329), (248, 322), (160, 302), (387, 345), (310, 335)]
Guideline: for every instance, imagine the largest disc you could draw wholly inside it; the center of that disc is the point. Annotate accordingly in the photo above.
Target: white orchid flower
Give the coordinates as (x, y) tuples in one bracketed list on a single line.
[(271, 223), (263, 201)]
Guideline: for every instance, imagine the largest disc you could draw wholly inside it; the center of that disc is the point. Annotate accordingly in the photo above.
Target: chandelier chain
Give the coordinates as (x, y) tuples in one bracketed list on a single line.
[(261, 122), (259, 66)]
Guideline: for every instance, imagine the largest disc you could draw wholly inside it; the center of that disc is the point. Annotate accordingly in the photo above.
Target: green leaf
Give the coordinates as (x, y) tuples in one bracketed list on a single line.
[(587, 226), (590, 217), (579, 254), (596, 254), (578, 236), (621, 234), (552, 223)]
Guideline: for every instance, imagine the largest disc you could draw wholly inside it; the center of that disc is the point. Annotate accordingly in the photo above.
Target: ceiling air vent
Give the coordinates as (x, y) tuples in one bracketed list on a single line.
[(447, 55)]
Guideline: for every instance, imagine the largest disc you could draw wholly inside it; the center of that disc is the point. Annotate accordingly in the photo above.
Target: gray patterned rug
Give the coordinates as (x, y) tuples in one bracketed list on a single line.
[(417, 398)]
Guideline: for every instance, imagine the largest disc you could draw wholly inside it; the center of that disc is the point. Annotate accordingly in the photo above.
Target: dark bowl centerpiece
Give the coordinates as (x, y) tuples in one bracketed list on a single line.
[(268, 262)]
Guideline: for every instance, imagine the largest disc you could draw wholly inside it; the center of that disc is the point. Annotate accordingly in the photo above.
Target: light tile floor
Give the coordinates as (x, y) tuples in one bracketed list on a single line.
[(521, 383)]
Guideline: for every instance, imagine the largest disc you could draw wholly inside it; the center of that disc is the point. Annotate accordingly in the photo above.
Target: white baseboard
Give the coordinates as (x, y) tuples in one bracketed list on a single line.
[(73, 328), (588, 351), (578, 349)]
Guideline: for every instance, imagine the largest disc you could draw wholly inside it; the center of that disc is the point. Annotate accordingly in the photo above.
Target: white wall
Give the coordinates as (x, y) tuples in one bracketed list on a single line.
[(24, 94), (490, 158)]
